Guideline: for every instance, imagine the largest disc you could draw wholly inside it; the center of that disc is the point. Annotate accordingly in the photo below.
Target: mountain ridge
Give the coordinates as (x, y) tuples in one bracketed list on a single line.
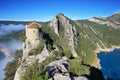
[(112, 20)]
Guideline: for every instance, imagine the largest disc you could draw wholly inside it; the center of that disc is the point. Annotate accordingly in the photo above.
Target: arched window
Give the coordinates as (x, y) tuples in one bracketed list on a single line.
[(34, 31)]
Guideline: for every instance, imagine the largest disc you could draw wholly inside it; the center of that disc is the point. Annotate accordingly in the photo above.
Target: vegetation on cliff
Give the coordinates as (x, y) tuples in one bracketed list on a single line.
[(37, 71), (77, 68)]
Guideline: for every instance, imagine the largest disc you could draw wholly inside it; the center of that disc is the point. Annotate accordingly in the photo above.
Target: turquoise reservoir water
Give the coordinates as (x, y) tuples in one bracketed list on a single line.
[(110, 63)]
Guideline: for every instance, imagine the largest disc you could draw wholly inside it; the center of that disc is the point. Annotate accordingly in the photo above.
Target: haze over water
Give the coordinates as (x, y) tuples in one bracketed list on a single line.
[(10, 45)]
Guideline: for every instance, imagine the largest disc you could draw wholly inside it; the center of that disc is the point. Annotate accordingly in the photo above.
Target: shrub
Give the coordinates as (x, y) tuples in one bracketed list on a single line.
[(67, 53), (76, 67), (35, 72), (62, 53)]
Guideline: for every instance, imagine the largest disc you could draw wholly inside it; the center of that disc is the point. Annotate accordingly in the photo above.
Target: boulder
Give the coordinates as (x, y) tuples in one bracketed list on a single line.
[(58, 69), (81, 78), (58, 76)]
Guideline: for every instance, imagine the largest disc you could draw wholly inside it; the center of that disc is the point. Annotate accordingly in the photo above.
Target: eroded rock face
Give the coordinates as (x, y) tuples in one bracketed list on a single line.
[(60, 64), (29, 60), (54, 25), (58, 69), (69, 30)]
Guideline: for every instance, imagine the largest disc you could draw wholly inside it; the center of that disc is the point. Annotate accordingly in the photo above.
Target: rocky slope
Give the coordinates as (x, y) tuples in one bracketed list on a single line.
[(67, 50), (113, 20)]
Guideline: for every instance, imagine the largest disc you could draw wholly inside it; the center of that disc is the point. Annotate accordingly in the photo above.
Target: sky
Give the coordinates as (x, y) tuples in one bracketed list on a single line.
[(45, 10)]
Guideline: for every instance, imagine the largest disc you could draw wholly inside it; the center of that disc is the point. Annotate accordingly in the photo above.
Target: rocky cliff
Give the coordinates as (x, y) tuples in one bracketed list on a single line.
[(69, 31)]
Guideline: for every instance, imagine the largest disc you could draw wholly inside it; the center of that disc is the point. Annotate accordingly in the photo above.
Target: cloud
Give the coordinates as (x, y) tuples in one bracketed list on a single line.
[(6, 29)]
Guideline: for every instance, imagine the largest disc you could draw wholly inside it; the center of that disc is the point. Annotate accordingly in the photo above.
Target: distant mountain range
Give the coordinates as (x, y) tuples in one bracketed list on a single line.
[(113, 20), (13, 22), (16, 22)]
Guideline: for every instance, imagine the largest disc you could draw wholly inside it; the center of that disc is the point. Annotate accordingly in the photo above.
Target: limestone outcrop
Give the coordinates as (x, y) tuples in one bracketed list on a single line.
[(69, 31), (54, 24), (58, 69)]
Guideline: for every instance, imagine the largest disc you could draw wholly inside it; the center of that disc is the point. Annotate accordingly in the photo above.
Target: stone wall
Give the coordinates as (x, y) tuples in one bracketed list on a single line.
[(32, 34)]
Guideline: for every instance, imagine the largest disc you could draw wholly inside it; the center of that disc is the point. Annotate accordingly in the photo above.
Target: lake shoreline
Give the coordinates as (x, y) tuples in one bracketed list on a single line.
[(5, 51), (96, 63)]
